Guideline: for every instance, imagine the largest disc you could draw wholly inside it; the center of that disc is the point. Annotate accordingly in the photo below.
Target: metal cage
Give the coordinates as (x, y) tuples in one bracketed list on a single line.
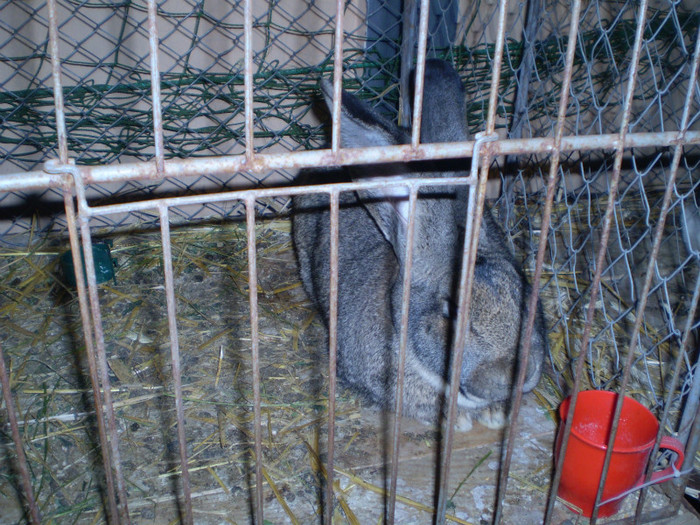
[(555, 139)]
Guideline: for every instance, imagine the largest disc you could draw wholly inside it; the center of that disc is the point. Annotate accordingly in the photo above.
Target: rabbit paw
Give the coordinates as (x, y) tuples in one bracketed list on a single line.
[(463, 421), (494, 417)]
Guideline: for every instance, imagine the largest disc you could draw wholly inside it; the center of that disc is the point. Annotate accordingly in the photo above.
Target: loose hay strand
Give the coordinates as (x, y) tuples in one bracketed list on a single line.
[(279, 497), (406, 501)]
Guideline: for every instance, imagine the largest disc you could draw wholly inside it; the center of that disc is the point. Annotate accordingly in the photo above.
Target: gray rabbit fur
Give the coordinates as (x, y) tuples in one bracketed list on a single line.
[(372, 240)]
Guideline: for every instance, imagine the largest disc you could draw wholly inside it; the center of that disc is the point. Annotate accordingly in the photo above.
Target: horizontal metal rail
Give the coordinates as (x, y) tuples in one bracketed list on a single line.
[(50, 178)]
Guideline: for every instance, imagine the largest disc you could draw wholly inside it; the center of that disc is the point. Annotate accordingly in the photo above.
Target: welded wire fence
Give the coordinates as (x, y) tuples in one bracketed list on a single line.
[(631, 102)]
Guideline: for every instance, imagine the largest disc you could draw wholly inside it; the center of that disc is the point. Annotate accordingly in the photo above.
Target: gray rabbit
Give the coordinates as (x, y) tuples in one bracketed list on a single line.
[(372, 240)]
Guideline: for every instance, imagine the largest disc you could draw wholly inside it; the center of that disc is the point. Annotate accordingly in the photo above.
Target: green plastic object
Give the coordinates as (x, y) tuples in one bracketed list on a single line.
[(104, 266)]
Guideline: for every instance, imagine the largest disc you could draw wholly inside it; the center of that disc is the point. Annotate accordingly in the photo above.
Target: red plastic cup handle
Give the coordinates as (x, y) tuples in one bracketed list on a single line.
[(674, 445)]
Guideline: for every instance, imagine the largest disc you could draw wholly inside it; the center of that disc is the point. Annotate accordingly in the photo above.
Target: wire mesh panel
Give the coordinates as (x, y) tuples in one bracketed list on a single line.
[(196, 384)]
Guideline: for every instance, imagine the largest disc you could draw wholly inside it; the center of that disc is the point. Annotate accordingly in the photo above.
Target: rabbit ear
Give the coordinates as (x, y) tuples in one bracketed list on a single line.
[(362, 127), (444, 104)]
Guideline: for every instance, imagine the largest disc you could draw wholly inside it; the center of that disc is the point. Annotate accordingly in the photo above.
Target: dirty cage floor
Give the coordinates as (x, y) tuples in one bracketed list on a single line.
[(41, 331)]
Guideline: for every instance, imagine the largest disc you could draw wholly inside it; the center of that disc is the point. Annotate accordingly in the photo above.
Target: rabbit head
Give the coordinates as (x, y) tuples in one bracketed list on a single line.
[(437, 243)]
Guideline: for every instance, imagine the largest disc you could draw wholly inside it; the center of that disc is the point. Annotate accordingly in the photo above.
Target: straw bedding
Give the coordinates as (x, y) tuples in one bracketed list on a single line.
[(43, 345)]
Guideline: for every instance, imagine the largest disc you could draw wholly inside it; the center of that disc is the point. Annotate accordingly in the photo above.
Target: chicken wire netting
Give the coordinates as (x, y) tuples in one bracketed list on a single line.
[(104, 50)]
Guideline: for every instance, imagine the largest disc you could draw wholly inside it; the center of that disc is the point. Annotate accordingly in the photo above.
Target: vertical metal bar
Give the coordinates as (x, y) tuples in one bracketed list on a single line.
[(526, 68), (332, 349), (471, 237), (403, 341), (337, 76), (57, 88), (690, 413), (19, 448), (691, 449), (694, 395), (617, 166), (333, 284), (473, 212), (678, 150), (691, 408), (69, 206), (600, 260), (408, 38), (496, 74), (544, 231), (155, 89), (420, 73), (520, 106), (248, 78), (175, 355), (255, 351), (100, 344)]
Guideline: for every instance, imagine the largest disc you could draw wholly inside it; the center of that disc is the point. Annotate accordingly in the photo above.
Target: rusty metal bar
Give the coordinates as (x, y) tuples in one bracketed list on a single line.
[(471, 237), (175, 356), (408, 38), (533, 22), (678, 150), (332, 350), (209, 198), (502, 486), (689, 414), (261, 163), (73, 236), (595, 286), (337, 76), (403, 341), (691, 445), (57, 88), (155, 89), (255, 352), (94, 303), (496, 71), (527, 66), (474, 211), (248, 80), (22, 467), (544, 231), (420, 73), (617, 166)]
